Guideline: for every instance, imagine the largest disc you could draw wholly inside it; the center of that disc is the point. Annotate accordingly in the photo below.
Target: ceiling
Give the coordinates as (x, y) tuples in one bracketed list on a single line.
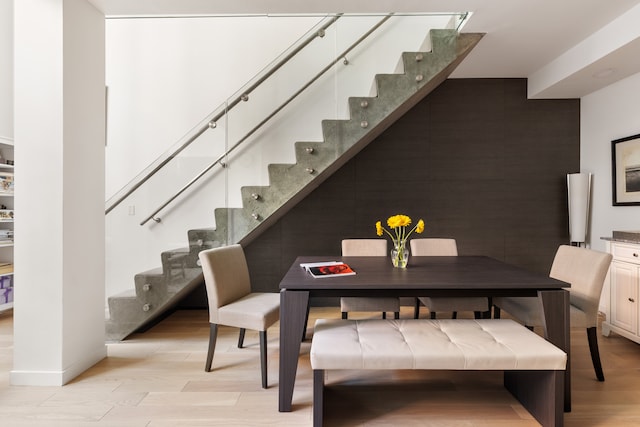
[(567, 49)]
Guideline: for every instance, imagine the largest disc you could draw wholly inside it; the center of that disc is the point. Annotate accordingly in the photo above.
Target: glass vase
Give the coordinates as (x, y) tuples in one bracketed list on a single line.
[(400, 254)]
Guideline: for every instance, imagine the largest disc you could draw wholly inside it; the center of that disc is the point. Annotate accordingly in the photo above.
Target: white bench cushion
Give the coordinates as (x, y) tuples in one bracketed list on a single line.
[(447, 344)]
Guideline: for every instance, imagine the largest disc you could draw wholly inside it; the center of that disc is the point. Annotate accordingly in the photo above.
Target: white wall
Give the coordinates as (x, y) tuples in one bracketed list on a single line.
[(6, 71), (165, 75), (606, 115)]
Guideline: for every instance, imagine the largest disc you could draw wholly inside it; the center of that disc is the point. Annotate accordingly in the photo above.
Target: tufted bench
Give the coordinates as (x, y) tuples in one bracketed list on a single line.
[(534, 368)]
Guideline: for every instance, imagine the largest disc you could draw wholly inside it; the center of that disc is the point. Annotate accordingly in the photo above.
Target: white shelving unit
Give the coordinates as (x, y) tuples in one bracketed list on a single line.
[(6, 225)]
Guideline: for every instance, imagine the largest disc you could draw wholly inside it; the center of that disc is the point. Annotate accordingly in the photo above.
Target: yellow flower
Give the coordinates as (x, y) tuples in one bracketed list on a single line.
[(379, 228), (399, 224), (398, 221)]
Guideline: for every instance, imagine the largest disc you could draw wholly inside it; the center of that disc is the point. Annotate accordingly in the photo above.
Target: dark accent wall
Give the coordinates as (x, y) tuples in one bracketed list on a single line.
[(476, 160)]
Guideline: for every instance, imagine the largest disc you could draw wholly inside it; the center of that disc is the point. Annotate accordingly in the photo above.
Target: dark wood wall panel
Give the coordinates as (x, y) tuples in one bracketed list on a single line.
[(476, 160)]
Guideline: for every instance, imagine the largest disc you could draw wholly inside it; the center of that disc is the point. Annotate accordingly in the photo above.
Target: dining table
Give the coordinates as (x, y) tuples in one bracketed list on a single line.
[(434, 276)]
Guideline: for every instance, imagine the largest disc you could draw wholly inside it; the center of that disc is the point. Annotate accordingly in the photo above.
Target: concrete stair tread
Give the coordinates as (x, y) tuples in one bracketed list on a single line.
[(129, 293), (153, 272)]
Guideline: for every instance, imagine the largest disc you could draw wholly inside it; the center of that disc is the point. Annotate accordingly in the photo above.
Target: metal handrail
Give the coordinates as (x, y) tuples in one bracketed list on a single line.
[(341, 56), (211, 123)]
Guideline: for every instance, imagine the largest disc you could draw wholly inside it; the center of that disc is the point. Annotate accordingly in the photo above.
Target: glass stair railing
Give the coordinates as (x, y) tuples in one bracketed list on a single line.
[(228, 178)]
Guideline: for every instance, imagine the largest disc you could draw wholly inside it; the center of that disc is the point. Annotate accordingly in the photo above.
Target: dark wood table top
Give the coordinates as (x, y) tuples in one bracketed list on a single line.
[(425, 276), (472, 273)]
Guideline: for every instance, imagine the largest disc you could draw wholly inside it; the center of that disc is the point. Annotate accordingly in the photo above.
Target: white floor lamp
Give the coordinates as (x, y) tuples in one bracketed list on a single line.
[(579, 195)]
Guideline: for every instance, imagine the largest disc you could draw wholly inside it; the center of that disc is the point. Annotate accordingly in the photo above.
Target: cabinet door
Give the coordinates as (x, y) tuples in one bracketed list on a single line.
[(624, 296)]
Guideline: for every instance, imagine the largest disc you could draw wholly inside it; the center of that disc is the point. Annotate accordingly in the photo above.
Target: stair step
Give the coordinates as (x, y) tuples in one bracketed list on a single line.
[(152, 272), (129, 293), (129, 311)]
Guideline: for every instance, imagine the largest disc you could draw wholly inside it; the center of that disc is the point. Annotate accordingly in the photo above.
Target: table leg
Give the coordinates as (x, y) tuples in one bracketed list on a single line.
[(555, 304), (293, 310)]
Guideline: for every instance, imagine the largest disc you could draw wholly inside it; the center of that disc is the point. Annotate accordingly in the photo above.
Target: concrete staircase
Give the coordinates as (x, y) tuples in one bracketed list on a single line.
[(158, 290)]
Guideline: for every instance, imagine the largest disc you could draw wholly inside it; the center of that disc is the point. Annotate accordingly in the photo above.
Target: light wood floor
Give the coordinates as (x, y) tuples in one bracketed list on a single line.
[(157, 379)]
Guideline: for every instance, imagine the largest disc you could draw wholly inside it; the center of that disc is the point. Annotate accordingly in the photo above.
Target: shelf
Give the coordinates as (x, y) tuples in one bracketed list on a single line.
[(6, 215), (7, 173), (6, 290)]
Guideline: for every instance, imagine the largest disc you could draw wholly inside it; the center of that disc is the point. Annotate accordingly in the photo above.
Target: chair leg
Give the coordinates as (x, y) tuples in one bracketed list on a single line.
[(241, 337), (263, 357), (454, 315), (595, 354), (433, 314), (344, 315), (384, 314), (416, 309), (477, 315), (213, 335), (396, 314), (496, 312)]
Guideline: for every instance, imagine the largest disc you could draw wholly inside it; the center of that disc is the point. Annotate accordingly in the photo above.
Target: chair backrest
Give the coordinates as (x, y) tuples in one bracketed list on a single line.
[(585, 270), (364, 247), (226, 276), (432, 246)]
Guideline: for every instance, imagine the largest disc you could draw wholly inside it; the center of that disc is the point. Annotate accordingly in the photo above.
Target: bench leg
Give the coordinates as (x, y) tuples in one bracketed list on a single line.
[(318, 397), (540, 392)]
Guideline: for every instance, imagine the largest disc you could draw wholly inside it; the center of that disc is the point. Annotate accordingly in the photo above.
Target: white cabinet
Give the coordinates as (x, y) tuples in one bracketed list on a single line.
[(624, 285), (6, 225)]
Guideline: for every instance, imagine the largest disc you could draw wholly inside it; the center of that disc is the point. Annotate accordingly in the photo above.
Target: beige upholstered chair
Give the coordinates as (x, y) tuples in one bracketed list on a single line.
[(367, 247), (445, 247), (585, 270), (231, 302)]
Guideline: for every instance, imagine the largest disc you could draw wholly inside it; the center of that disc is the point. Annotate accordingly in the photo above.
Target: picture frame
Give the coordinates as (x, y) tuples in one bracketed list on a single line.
[(625, 170)]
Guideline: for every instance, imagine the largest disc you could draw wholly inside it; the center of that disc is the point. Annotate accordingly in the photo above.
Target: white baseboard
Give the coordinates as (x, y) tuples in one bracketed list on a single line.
[(57, 378)]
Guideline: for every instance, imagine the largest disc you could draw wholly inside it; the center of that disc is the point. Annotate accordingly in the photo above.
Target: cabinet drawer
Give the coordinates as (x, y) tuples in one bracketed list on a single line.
[(624, 296), (629, 253)]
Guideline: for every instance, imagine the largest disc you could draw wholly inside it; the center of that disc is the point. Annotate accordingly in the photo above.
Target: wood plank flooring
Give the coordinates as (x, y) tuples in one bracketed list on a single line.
[(157, 379)]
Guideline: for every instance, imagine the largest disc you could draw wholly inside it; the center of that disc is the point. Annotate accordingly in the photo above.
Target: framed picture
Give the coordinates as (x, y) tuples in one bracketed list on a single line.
[(625, 168)]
